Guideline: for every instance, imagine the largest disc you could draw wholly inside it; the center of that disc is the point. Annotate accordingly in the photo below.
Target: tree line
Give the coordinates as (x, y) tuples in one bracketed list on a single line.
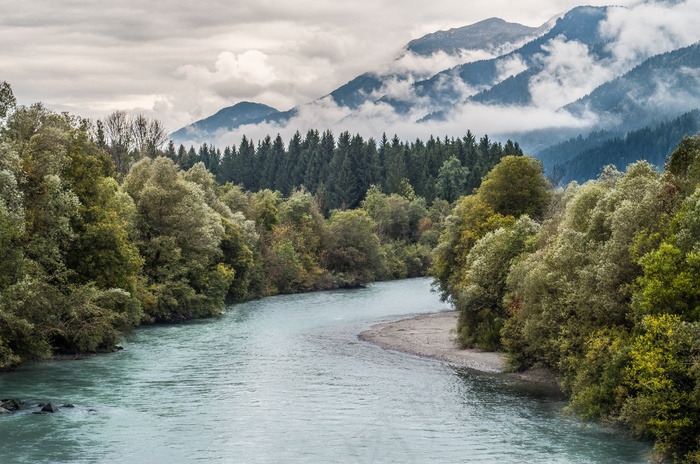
[(339, 171), (599, 282)]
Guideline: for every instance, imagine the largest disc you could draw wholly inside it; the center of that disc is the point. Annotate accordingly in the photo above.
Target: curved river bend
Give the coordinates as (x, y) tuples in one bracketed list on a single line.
[(285, 380)]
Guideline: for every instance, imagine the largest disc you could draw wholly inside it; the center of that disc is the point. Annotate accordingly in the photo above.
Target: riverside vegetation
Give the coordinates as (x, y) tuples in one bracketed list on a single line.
[(599, 282), (101, 231)]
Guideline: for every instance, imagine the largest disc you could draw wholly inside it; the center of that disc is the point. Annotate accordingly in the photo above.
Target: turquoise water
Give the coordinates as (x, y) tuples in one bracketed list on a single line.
[(285, 380)]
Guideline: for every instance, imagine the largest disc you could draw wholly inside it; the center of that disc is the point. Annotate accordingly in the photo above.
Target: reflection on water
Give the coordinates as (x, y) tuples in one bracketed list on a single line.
[(285, 380)]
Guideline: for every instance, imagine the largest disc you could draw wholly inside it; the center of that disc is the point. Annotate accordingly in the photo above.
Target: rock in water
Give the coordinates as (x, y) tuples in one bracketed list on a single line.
[(4, 411), (10, 405), (49, 408)]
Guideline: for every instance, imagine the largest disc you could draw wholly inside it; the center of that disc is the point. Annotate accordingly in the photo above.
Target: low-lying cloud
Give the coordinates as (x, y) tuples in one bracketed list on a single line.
[(650, 28), (568, 72)]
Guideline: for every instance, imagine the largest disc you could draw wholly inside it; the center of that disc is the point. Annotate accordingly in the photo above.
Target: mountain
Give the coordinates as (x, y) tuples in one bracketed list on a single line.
[(661, 86), (491, 85), (485, 35), (224, 120)]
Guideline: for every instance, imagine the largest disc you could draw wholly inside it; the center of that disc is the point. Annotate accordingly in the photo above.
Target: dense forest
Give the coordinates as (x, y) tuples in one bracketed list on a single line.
[(583, 158), (599, 282), (339, 172), (101, 230)]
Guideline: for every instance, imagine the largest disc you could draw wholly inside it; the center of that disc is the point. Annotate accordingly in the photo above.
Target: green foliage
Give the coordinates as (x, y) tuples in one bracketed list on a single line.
[(69, 265), (354, 251), (597, 387), (292, 250), (482, 286), (664, 378), (670, 284), (452, 180), (471, 219), (401, 223), (684, 163), (515, 186), (236, 253), (264, 212), (580, 280), (179, 236), (391, 213), (605, 293)]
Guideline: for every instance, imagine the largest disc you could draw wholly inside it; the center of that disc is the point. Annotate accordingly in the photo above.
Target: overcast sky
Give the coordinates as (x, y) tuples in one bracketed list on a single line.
[(182, 60)]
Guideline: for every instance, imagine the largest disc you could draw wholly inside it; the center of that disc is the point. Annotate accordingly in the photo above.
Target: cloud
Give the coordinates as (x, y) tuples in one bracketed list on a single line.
[(372, 119), (420, 66), (676, 92), (510, 66), (568, 72), (650, 28), (246, 74)]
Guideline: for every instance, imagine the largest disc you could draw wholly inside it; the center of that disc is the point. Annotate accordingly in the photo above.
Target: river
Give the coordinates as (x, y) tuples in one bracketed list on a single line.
[(285, 380)]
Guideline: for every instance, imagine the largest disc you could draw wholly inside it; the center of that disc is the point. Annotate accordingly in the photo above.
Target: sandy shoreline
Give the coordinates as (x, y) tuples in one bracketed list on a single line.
[(432, 336)]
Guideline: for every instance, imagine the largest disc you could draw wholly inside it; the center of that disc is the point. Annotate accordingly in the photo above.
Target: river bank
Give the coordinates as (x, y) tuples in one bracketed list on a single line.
[(433, 336)]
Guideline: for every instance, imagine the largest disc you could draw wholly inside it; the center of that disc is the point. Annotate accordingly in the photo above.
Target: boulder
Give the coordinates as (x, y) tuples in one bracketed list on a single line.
[(4, 411), (49, 408), (10, 405)]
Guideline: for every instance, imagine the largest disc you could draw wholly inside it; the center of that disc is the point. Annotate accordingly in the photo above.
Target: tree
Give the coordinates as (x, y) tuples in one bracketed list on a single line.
[(516, 186), (481, 290), (471, 219), (7, 99), (118, 136), (345, 179), (354, 252), (663, 376), (390, 213), (149, 135), (670, 282), (179, 236), (452, 180), (395, 165)]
